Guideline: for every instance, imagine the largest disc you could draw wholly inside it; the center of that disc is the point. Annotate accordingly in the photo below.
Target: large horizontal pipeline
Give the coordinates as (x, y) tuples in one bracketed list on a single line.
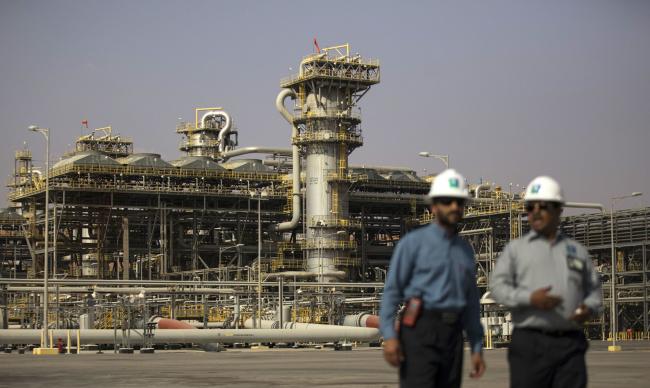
[(162, 336), (358, 320), (123, 290), (178, 284)]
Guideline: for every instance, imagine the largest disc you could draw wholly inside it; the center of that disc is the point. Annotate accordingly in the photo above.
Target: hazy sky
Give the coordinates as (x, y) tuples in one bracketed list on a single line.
[(509, 89)]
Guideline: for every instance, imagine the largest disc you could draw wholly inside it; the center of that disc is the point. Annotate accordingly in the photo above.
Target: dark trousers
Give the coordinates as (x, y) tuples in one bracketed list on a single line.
[(547, 360), (433, 353)]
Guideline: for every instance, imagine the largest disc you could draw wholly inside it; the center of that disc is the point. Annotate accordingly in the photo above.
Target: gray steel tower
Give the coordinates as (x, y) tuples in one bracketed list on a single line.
[(326, 125)]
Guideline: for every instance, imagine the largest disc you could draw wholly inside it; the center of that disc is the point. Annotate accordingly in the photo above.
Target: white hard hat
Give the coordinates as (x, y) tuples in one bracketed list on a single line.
[(544, 188), (449, 183)]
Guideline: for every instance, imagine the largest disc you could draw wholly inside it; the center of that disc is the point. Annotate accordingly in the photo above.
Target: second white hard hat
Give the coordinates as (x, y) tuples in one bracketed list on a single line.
[(544, 188), (449, 183)]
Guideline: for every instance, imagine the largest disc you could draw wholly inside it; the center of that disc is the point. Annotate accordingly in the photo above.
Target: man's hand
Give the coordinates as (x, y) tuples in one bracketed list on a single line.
[(581, 314), (542, 300), (478, 366), (392, 352)]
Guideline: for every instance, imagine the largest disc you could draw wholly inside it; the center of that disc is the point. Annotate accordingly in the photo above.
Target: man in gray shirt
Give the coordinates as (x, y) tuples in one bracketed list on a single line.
[(551, 286)]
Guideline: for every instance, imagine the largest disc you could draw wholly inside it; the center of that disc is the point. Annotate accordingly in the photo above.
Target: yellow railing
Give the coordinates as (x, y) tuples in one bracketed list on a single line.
[(333, 221), (23, 154), (346, 261), (329, 244), (328, 113), (156, 171), (630, 336), (282, 263), (340, 68), (81, 181), (327, 136), (335, 175), (485, 209), (198, 143), (159, 188)]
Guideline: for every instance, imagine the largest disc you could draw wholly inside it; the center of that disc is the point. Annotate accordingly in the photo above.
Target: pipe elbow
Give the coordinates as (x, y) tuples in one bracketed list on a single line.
[(279, 103)]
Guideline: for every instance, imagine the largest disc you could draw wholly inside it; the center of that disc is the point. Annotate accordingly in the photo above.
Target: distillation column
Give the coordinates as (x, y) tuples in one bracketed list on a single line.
[(328, 86)]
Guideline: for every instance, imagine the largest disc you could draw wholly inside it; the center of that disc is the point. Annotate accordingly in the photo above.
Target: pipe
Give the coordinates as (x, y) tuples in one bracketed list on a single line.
[(124, 290), (226, 128), (254, 150), (282, 163), (361, 320), (479, 188), (172, 324), (180, 283), (295, 158), (587, 205), (106, 336), (305, 274)]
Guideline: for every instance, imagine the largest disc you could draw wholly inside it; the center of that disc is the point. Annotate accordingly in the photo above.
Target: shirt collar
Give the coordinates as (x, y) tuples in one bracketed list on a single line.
[(439, 231), (532, 235)]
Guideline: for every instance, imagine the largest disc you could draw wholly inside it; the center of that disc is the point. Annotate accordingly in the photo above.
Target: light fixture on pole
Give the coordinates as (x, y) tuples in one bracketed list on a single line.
[(443, 158), (45, 338), (613, 328)]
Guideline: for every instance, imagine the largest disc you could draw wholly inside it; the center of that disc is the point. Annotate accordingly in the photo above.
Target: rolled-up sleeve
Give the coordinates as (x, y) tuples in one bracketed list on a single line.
[(503, 284), (396, 280)]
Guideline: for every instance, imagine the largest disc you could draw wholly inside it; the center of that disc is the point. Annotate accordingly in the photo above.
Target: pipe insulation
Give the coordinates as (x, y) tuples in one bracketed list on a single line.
[(363, 320), (226, 127), (254, 150), (295, 159), (124, 290), (162, 336)]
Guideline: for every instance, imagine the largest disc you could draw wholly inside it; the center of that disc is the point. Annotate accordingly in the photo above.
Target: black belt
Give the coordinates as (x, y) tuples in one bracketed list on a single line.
[(448, 317), (552, 333)]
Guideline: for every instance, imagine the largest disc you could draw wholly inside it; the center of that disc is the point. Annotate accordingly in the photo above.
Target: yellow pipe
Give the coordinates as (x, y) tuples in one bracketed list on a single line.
[(68, 335), (196, 114), (107, 130), (345, 46), (78, 341)]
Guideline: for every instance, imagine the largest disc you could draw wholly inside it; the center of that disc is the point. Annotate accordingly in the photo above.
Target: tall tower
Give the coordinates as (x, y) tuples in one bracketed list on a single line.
[(328, 87)]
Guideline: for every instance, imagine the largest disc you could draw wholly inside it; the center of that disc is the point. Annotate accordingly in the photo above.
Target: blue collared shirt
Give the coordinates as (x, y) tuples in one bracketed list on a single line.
[(438, 268)]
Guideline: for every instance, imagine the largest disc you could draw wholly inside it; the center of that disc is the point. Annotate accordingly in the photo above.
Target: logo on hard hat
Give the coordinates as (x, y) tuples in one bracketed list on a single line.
[(535, 189), (453, 182)]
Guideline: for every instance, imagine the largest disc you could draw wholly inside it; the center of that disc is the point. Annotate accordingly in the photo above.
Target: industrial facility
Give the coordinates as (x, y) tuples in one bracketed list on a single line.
[(296, 241)]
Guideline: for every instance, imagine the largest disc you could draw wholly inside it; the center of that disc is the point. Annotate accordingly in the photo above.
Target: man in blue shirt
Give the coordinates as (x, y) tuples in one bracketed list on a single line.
[(434, 269)]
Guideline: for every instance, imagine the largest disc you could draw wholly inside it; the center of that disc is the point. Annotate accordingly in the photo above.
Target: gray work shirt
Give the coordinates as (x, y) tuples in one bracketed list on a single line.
[(532, 262)]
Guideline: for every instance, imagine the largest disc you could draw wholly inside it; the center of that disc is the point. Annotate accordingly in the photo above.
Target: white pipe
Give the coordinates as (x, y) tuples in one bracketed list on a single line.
[(305, 274), (254, 150), (125, 290), (185, 284), (226, 128), (295, 157), (106, 336), (276, 163), (358, 323), (361, 320), (587, 205), (479, 188)]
